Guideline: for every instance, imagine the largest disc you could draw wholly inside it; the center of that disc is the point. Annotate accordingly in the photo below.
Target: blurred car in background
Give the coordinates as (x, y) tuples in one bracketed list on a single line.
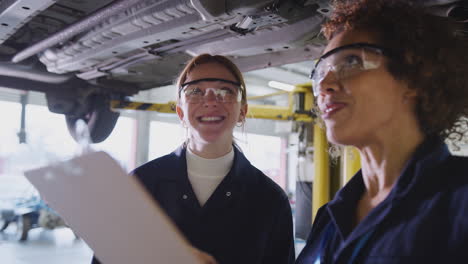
[(25, 214)]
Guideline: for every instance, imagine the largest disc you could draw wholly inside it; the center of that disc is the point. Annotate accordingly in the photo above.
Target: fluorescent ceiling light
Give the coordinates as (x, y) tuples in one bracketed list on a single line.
[(281, 86)]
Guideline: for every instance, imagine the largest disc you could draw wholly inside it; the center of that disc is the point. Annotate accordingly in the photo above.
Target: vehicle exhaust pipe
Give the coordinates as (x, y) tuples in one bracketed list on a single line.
[(18, 71)]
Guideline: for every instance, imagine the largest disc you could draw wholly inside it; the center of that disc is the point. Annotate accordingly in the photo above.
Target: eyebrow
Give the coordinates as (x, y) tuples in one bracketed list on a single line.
[(355, 45), (210, 80)]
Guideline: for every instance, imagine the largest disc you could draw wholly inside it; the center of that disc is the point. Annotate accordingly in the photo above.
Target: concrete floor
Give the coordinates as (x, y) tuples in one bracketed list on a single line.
[(45, 247), (57, 246)]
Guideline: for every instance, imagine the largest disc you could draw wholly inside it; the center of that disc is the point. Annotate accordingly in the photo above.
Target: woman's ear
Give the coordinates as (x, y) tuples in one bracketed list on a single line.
[(243, 113), (180, 112), (410, 94), (406, 92)]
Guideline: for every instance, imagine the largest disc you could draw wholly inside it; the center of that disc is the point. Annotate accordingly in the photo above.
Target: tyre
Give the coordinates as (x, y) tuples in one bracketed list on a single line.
[(24, 224), (6, 217), (3, 224), (100, 119)]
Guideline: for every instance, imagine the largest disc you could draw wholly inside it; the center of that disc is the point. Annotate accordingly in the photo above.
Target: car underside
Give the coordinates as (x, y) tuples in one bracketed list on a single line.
[(83, 53)]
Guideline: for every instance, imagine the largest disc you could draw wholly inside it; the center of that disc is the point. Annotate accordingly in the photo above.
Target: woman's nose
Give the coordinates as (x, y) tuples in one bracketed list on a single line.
[(210, 97), (329, 83)]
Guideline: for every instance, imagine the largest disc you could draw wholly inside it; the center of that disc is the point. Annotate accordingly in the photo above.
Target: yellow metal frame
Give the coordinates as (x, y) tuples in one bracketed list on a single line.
[(275, 112), (352, 163), (321, 183), (130, 105)]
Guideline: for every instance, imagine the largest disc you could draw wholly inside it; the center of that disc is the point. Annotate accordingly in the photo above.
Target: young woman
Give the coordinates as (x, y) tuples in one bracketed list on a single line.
[(393, 82), (223, 205)]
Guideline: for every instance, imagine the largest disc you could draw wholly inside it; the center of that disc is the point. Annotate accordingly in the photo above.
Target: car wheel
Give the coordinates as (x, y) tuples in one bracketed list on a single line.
[(24, 224), (100, 119), (6, 217), (3, 224)]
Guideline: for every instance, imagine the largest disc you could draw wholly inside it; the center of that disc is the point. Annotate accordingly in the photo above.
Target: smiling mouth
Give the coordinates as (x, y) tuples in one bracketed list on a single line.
[(332, 109), (211, 119)]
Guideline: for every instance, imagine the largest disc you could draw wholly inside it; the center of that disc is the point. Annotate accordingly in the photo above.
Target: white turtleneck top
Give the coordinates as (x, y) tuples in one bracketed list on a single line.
[(206, 174)]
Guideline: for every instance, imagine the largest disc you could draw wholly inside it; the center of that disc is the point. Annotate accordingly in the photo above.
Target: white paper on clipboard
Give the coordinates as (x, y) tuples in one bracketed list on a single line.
[(111, 211)]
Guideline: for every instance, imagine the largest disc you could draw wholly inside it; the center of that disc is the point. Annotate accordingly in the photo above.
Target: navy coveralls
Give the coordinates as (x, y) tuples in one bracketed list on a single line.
[(246, 220), (424, 219)]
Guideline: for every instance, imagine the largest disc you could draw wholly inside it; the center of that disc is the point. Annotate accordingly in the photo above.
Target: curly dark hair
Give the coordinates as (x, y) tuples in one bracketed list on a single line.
[(427, 54)]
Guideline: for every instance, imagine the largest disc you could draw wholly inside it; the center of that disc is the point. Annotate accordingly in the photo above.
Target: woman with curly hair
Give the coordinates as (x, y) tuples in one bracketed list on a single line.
[(393, 82)]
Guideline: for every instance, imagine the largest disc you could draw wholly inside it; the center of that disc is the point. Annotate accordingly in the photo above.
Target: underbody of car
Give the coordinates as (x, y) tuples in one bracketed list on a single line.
[(82, 53)]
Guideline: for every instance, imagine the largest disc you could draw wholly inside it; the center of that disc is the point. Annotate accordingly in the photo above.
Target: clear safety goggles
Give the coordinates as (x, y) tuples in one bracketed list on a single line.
[(224, 91), (346, 61)]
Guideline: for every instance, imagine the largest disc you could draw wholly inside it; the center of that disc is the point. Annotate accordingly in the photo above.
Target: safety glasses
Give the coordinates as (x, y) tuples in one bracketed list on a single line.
[(347, 61), (224, 91)]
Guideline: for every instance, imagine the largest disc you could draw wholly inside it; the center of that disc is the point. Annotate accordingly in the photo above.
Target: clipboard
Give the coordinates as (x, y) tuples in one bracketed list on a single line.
[(111, 211)]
